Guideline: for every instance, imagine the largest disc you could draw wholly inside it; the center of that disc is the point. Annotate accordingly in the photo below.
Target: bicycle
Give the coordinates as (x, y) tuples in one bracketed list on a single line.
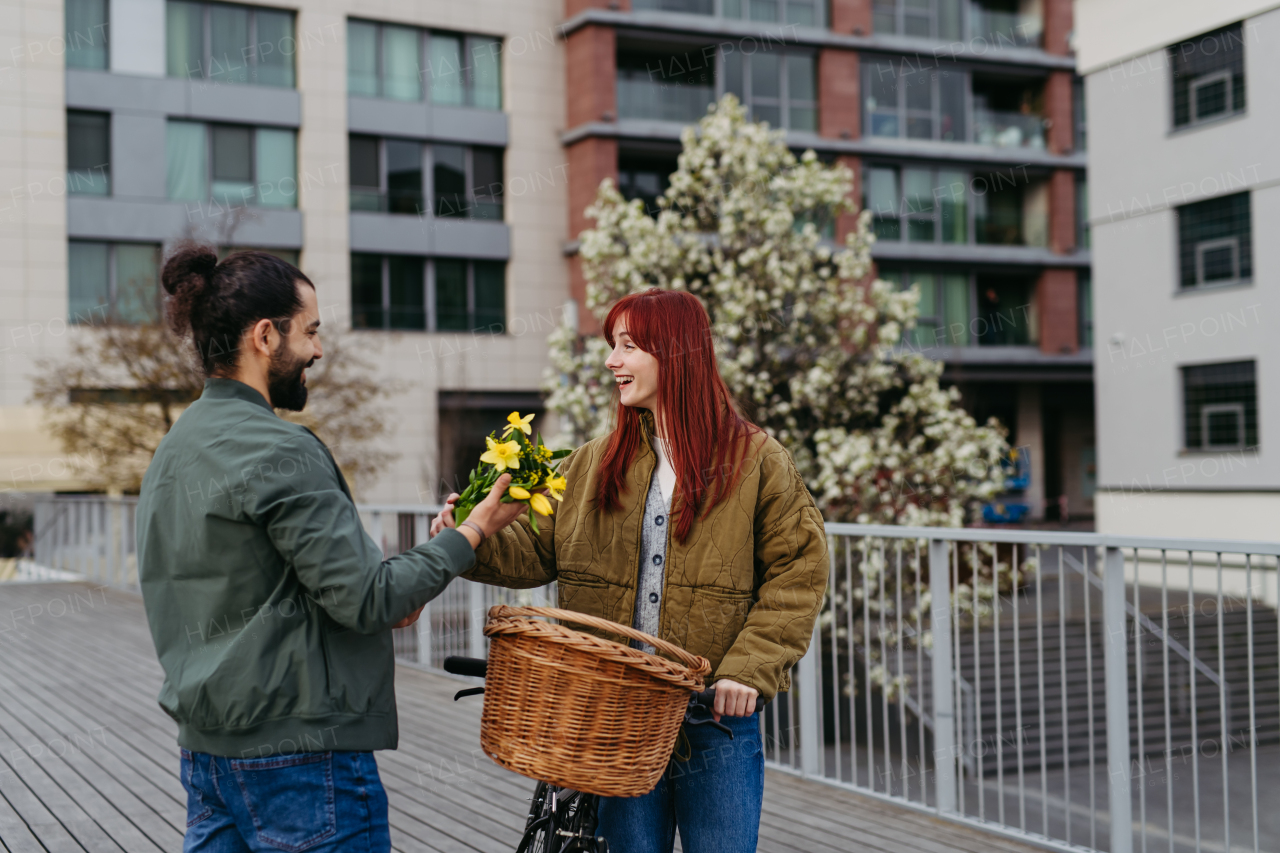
[(562, 820)]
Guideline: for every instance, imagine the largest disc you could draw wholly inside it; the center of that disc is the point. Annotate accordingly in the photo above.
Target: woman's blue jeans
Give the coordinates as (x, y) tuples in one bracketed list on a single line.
[(323, 802), (713, 798)]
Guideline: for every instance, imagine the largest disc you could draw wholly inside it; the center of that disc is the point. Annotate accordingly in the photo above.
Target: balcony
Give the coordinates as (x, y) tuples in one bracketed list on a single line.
[(665, 86), (1003, 24), (1008, 113)]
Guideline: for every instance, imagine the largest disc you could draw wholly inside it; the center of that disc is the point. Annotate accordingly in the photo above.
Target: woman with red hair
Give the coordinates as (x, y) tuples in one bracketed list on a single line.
[(689, 523)]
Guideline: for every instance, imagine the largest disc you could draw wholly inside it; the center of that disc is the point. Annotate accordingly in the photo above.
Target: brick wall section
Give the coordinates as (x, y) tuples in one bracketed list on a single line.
[(850, 16), (1062, 211), (1057, 108), (573, 7), (591, 75), (591, 160), (1057, 26), (839, 115), (1056, 299)]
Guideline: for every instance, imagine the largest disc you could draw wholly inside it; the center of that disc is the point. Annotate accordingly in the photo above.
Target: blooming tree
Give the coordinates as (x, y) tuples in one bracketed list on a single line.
[(808, 343)]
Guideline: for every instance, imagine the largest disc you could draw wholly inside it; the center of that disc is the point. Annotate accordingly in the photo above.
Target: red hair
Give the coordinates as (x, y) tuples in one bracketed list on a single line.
[(707, 437)]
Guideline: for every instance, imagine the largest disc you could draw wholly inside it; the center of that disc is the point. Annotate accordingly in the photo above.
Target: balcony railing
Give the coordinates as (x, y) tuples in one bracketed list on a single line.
[(639, 97), (1007, 129), (1005, 29), (689, 7), (1081, 691)]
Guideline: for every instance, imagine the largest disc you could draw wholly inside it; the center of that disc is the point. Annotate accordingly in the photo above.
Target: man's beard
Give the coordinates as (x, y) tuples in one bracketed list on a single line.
[(284, 380)]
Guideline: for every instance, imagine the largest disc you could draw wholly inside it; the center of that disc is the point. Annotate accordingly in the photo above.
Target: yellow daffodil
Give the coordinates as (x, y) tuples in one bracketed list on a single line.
[(518, 493), (502, 455), (556, 485), (515, 422), (540, 504), (544, 451)]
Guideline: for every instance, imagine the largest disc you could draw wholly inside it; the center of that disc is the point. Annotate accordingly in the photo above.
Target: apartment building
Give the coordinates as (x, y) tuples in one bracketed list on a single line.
[(404, 154), (428, 166), (1182, 105), (962, 122)]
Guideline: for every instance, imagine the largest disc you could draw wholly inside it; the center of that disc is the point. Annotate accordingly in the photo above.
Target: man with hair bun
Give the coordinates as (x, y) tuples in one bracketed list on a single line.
[(270, 607)]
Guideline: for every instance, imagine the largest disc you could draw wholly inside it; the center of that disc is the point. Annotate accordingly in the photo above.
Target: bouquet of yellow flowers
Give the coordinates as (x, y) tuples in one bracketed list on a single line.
[(532, 466)]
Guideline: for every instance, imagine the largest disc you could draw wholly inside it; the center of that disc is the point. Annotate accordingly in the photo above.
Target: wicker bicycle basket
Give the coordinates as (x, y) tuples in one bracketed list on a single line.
[(579, 711)]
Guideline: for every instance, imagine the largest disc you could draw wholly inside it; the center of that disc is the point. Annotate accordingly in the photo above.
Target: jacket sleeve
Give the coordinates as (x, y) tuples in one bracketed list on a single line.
[(515, 557), (791, 579), (296, 495)]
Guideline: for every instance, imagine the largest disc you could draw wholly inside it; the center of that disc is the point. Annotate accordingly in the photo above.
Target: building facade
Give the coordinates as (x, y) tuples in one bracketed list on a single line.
[(1182, 109), (428, 165)]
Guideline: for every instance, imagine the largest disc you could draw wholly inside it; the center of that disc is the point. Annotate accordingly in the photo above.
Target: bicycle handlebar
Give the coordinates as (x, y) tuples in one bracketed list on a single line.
[(477, 667)]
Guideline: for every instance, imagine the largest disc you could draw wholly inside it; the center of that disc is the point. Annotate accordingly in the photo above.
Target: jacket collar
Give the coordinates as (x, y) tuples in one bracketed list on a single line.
[(231, 389)]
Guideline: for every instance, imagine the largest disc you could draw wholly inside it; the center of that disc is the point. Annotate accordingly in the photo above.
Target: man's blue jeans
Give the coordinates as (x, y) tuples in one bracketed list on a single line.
[(314, 801), (714, 797)]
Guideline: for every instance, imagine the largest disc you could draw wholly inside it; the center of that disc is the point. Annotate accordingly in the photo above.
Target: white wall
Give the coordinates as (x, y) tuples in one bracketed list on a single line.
[(137, 37)]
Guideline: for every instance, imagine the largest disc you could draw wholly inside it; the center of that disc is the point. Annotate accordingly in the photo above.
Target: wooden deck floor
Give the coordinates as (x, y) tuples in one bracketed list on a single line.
[(88, 761)]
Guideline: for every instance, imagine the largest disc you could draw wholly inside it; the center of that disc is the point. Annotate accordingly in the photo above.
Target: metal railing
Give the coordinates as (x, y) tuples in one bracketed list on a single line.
[(1080, 691)]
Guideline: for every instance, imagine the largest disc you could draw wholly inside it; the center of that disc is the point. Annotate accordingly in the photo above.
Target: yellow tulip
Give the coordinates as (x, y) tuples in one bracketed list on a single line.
[(502, 455), (556, 485), (514, 422), (518, 493), (540, 504)]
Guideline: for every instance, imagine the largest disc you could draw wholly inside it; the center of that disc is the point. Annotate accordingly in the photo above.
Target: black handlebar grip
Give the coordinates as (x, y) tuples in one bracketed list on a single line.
[(476, 667)]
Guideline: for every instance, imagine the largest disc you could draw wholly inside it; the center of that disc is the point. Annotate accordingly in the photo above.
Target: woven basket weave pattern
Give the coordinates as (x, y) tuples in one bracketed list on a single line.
[(580, 711)]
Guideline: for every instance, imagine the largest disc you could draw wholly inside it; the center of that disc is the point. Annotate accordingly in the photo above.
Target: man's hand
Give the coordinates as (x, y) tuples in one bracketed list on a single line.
[(410, 619), (491, 513), (734, 700)]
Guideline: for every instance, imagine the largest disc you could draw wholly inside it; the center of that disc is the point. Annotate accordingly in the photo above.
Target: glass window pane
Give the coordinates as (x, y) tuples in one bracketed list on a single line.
[(948, 20), (275, 48), (491, 296), (451, 295), (362, 59), (803, 13), (137, 283), (449, 176), (884, 16), (771, 115), (952, 95), (801, 82), (764, 10), (87, 34), (731, 8), (404, 176), (486, 73), (89, 283), (882, 191), (486, 164), (955, 309), (919, 88), (880, 82), (228, 43), (400, 68), (277, 167), (1216, 230), (766, 76), (362, 168), (408, 295), (188, 163), (950, 195), (184, 39), (366, 291), (88, 153), (232, 162), (927, 282), (918, 188), (732, 65), (444, 55)]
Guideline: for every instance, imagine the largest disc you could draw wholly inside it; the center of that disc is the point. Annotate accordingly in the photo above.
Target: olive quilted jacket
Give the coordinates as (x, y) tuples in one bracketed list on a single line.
[(743, 590)]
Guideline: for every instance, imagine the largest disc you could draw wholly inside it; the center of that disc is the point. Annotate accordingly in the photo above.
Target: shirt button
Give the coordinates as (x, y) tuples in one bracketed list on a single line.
[(657, 559), (653, 596), (658, 521)]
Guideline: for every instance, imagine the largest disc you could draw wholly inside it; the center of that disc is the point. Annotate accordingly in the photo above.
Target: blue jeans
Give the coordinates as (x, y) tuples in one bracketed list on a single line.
[(714, 797), (315, 801)]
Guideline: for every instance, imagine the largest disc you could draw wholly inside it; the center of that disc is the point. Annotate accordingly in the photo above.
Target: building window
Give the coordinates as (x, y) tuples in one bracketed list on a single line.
[(88, 153), (666, 86), (435, 295), (1215, 245), (778, 88), (919, 205), (1008, 113), (802, 13), (230, 44), (944, 311), (388, 175), (113, 283), (991, 23), (1006, 313), (232, 165), (1220, 406), (1010, 210), (645, 178), (86, 34), (288, 255), (1208, 76), (901, 101), (1079, 117), (1084, 305), (405, 63), (1084, 237)]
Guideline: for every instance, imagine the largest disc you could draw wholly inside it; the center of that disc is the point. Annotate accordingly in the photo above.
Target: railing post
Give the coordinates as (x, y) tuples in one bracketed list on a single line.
[(944, 725), (1116, 663), (811, 740), (421, 533), (475, 619)]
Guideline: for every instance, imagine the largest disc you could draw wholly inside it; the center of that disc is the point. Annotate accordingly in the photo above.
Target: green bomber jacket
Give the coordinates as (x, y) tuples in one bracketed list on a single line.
[(743, 590), (270, 607)]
